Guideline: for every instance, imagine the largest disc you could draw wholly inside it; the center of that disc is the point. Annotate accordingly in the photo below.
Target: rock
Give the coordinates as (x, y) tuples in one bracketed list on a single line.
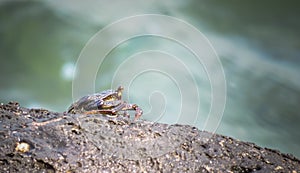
[(37, 140)]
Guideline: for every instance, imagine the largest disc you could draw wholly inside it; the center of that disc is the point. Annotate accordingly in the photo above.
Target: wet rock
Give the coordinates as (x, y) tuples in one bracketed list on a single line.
[(37, 140)]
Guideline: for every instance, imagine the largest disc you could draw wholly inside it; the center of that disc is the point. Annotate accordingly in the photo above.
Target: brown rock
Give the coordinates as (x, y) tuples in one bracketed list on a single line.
[(37, 140)]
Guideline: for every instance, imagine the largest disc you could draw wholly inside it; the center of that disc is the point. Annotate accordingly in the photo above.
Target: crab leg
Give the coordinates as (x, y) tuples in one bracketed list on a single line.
[(107, 111), (122, 107), (138, 111)]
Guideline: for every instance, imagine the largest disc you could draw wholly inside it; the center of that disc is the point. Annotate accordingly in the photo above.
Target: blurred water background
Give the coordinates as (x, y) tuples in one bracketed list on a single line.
[(257, 41)]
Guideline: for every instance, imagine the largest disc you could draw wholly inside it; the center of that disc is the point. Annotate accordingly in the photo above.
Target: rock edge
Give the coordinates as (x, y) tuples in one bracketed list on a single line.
[(38, 140)]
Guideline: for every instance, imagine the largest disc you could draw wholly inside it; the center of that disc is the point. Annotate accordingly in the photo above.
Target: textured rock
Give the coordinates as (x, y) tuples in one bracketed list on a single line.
[(37, 140)]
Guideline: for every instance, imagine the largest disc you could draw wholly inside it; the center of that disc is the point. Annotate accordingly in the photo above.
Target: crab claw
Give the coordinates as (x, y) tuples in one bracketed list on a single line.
[(119, 92), (138, 112)]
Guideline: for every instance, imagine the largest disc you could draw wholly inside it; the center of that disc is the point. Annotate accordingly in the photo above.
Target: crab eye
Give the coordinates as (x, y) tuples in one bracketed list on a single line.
[(119, 94)]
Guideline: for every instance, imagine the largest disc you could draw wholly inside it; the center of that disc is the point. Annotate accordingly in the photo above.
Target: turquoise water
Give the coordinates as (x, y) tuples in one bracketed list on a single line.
[(257, 44)]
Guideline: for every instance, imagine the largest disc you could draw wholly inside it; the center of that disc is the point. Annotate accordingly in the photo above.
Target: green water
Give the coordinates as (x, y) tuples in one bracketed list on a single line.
[(257, 42)]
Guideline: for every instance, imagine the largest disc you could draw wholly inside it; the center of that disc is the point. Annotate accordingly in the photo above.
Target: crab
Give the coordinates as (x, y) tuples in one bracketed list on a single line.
[(106, 102)]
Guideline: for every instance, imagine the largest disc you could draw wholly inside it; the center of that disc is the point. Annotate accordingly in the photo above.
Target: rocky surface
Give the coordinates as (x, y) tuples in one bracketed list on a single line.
[(37, 140)]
